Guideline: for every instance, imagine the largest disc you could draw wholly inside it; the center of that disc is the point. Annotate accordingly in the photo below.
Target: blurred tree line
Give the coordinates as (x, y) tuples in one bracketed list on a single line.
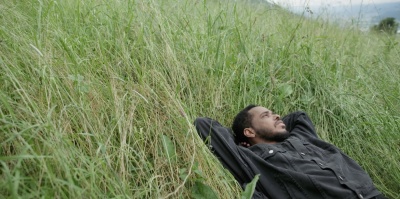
[(387, 25)]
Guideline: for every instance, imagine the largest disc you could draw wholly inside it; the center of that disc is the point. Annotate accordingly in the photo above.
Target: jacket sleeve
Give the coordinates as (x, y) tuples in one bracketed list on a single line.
[(300, 124), (223, 146)]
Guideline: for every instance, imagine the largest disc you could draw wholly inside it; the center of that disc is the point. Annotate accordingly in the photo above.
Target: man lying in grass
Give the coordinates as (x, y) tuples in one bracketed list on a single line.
[(290, 158)]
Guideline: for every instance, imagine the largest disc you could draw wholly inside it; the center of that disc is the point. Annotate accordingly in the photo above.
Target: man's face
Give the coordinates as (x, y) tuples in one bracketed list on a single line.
[(268, 125)]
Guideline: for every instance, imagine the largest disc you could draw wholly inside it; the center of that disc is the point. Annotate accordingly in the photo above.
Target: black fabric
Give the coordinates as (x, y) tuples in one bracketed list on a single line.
[(303, 166), (380, 196)]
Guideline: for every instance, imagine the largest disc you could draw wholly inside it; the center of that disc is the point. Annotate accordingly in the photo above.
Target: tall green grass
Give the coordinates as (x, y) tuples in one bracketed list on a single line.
[(98, 97)]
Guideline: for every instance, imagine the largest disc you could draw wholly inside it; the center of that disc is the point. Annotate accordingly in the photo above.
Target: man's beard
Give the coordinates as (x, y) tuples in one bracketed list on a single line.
[(277, 137)]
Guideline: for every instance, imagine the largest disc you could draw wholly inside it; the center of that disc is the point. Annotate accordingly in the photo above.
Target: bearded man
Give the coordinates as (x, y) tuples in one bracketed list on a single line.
[(287, 154)]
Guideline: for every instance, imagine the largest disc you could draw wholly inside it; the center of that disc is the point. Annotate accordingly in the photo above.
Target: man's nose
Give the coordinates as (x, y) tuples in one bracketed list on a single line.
[(277, 117)]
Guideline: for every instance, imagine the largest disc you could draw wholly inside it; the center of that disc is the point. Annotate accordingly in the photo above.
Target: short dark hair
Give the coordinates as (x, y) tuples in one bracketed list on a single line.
[(242, 120)]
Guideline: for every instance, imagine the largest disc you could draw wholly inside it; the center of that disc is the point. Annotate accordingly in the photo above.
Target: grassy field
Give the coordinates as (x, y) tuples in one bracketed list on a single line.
[(98, 97)]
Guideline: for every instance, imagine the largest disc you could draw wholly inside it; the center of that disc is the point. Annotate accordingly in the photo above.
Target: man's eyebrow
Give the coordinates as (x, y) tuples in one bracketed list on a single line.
[(266, 112)]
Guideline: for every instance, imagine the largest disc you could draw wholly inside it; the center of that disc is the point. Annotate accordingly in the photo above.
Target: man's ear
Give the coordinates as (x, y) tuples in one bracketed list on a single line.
[(249, 132)]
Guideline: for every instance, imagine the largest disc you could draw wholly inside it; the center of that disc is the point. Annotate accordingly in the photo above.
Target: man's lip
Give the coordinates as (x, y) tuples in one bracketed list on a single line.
[(278, 122)]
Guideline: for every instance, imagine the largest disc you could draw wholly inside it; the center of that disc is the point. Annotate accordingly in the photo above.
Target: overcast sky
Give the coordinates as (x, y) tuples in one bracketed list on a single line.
[(316, 3), (363, 13)]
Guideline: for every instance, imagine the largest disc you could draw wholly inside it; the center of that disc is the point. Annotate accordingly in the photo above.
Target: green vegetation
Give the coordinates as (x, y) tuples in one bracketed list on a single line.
[(98, 97), (387, 25)]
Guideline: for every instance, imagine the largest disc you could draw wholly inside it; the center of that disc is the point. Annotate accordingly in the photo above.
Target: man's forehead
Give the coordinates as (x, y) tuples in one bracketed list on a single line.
[(258, 110)]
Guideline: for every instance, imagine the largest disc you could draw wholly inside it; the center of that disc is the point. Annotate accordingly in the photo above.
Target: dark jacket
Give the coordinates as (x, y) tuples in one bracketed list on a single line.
[(302, 166)]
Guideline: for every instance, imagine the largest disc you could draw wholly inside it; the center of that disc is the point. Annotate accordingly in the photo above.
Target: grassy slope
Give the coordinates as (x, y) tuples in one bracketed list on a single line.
[(97, 97)]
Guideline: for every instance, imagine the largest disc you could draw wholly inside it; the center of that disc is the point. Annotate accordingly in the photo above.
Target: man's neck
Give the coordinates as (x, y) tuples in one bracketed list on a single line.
[(261, 141)]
